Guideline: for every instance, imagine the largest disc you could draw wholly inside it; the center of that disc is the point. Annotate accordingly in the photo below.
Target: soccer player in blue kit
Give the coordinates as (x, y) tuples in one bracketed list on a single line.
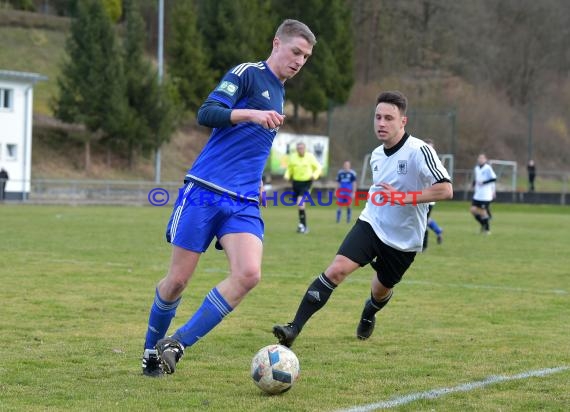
[(346, 182), (221, 196)]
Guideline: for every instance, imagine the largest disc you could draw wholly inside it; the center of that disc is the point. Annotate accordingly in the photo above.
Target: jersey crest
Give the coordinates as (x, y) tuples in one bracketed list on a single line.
[(402, 167)]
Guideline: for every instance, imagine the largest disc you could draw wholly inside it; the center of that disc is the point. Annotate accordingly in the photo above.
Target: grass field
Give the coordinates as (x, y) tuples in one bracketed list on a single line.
[(77, 284)]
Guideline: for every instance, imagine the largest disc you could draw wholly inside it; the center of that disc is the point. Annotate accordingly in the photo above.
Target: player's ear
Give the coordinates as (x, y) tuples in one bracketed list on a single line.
[(276, 43), (404, 120)]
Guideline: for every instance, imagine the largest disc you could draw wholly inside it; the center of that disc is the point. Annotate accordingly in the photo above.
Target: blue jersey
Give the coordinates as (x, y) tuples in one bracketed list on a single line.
[(234, 157), (346, 178)]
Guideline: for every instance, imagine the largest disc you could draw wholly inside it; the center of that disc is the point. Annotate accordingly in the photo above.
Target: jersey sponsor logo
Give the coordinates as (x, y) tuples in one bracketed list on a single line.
[(228, 88), (266, 95), (402, 167)]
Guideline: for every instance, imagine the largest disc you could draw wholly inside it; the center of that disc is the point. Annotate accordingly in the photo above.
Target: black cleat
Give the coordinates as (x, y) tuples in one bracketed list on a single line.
[(365, 328), (286, 334), (169, 352), (151, 365)]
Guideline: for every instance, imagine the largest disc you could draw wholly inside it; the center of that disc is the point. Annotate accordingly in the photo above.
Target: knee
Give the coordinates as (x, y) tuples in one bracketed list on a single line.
[(336, 273), (249, 277), (172, 286), (380, 292)]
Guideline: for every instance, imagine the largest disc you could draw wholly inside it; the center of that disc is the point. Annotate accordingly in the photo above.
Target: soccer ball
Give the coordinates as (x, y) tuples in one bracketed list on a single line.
[(274, 369)]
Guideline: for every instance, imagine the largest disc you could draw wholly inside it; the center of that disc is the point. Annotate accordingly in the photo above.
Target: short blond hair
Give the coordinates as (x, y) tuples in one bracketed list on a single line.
[(294, 28)]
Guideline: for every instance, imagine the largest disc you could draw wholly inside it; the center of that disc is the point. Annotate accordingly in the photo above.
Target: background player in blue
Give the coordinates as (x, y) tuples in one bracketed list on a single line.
[(346, 185), (220, 198)]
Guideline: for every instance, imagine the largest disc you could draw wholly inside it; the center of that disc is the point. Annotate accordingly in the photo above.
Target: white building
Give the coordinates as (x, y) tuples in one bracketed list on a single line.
[(16, 109)]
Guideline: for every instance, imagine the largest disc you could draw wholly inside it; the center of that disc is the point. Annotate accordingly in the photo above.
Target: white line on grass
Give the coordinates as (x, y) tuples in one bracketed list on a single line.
[(436, 393)]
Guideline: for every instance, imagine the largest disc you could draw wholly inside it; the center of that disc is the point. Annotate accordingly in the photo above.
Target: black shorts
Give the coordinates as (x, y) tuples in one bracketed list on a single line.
[(301, 187), (481, 204), (361, 245), (430, 208)]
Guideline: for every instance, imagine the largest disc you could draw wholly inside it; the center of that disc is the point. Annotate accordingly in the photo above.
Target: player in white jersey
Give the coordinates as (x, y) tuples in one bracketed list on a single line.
[(407, 175), (484, 179)]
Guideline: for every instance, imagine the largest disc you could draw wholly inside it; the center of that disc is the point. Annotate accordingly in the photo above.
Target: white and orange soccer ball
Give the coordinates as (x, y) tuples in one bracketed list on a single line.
[(274, 369)]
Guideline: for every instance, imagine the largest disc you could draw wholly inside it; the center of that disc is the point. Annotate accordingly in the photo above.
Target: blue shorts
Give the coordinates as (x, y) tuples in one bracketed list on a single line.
[(199, 215)]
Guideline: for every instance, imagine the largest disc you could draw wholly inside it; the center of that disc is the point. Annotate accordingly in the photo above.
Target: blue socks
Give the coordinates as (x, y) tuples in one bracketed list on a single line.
[(434, 226), (209, 314), (339, 214), (161, 314)]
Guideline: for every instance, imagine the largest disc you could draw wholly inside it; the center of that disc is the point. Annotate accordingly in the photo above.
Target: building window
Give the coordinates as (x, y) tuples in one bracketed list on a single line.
[(11, 151), (6, 98)]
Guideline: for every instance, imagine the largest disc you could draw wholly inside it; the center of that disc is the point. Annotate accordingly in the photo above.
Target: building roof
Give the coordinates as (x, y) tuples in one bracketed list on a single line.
[(21, 76)]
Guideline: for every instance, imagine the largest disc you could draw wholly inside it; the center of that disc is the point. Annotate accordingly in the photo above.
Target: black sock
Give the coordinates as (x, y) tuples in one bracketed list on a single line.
[(478, 218), (315, 298), (372, 306), (485, 223), (302, 217)]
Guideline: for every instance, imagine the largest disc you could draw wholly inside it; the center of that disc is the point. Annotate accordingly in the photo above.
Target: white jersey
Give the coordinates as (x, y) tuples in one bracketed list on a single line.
[(410, 166), (485, 178)]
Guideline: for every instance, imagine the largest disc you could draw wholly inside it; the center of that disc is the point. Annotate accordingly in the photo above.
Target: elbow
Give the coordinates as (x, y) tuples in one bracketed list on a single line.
[(201, 117)]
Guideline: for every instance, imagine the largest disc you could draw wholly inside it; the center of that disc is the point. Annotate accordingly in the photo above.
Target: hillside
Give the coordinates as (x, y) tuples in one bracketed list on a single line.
[(56, 158), (38, 51), (447, 108), (41, 49)]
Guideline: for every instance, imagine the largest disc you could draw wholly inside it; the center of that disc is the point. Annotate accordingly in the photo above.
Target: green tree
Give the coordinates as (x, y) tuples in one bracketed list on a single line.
[(188, 60), (27, 5), (65, 7), (236, 31), (91, 84), (152, 112), (113, 8), (328, 77)]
